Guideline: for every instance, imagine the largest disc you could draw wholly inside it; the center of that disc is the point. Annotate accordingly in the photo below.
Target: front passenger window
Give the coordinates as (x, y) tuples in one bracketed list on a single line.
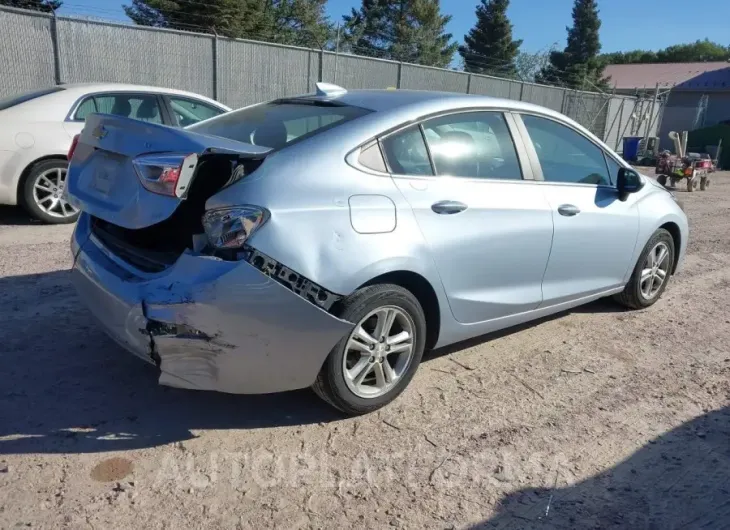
[(565, 155)]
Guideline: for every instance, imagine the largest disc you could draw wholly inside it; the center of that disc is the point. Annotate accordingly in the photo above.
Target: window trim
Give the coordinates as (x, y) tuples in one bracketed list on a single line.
[(167, 98), (535, 161), (165, 112), (71, 116), (520, 149)]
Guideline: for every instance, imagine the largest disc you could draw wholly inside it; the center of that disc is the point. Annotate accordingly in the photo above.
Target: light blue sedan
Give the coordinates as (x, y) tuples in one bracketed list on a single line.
[(328, 240)]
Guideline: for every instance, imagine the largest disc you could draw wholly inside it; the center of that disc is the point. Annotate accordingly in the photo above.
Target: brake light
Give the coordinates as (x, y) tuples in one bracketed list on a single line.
[(168, 174), (72, 149)]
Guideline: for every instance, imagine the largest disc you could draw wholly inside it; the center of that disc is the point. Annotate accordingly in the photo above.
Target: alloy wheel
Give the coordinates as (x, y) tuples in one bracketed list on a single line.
[(378, 352), (655, 271), (48, 193)]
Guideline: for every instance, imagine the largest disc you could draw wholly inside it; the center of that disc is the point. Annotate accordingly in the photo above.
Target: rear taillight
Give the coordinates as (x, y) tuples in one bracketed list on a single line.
[(71, 149), (230, 228), (167, 174)]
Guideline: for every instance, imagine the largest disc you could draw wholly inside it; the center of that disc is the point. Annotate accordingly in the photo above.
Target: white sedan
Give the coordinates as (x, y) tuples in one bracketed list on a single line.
[(36, 130)]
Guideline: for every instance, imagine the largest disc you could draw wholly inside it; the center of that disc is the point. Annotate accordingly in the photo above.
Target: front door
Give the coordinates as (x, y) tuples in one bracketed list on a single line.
[(595, 233), (488, 230)]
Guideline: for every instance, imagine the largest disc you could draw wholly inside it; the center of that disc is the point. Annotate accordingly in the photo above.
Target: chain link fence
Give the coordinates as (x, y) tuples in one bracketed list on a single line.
[(41, 50)]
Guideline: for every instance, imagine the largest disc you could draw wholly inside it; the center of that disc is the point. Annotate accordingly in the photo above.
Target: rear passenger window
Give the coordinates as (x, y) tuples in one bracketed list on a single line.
[(87, 107), (406, 153), (565, 155), (138, 106), (473, 145), (371, 157)]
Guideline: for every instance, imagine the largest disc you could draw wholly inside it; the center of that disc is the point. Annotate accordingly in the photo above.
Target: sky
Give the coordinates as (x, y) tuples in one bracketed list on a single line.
[(626, 24)]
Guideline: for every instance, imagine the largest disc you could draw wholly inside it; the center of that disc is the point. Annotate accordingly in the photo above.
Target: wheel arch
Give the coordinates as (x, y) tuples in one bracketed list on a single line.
[(424, 292), (20, 195), (676, 233)]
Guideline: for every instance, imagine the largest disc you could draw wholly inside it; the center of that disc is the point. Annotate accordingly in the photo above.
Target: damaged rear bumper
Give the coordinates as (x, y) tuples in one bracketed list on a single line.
[(208, 324)]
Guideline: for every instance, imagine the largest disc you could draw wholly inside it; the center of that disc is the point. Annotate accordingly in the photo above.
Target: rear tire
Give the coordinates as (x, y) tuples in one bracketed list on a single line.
[(692, 184), (341, 382), (45, 182), (638, 294), (704, 183), (662, 179)]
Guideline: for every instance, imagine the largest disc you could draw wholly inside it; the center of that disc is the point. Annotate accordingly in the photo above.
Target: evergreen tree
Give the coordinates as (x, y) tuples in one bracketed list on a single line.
[(299, 22), (302, 23), (412, 31), (47, 6), (579, 65), (488, 47)]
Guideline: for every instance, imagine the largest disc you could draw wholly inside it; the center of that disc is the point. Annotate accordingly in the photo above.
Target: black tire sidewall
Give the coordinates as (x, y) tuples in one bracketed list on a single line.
[(27, 197), (388, 296), (660, 235)]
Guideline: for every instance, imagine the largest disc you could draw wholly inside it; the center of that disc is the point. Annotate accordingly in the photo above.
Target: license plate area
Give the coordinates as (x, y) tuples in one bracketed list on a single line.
[(106, 168)]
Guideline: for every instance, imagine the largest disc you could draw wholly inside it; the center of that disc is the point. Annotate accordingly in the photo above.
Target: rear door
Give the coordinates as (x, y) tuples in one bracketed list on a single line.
[(489, 229), (595, 232)]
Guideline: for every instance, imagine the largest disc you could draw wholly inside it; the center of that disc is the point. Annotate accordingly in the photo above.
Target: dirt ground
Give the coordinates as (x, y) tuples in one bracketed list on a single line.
[(596, 418)]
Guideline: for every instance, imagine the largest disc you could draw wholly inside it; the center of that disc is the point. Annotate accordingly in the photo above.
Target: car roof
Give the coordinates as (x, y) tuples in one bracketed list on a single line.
[(395, 107), (383, 100), (79, 89)]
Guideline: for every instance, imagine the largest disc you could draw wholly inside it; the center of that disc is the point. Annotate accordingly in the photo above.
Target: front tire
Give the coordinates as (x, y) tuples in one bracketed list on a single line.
[(374, 363), (43, 193), (651, 273)]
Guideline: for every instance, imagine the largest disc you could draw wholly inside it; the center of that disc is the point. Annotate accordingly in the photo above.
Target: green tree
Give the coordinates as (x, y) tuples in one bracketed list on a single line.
[(578, 65), (302, 23), (488, 47), (412, 31), (299, 22), (47, 6), (696, 52)]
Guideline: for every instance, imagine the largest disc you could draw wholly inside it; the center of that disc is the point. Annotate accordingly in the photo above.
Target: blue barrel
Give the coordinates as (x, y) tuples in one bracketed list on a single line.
[(631, 147)]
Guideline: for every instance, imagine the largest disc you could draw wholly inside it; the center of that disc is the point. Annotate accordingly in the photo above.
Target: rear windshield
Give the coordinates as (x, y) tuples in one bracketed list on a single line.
[(279, 123), (22, 98)]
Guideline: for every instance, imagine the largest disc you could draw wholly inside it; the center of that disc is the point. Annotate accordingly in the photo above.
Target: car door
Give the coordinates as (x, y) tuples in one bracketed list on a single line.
[(488, 229), (187, 111), (595, 232)]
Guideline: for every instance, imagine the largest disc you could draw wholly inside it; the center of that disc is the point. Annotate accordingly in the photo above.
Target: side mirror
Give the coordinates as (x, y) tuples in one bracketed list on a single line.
[(628, 182)]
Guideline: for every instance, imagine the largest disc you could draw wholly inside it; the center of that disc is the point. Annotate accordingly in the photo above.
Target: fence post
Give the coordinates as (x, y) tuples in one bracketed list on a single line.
[(216, 94), (56, 50), (620, 123), (565, 97), (468, 84), (400, 74), (522, 90), (320, 70)]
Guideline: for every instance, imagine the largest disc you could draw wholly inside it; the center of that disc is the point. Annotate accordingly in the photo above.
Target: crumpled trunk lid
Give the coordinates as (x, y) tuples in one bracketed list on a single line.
[(102, 180)]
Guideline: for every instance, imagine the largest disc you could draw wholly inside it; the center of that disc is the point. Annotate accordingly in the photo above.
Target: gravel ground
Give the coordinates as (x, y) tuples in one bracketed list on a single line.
[(596, 418)]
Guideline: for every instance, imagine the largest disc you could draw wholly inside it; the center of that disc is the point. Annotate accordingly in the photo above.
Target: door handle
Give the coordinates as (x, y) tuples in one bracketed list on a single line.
[(568, 210), (448, 207)]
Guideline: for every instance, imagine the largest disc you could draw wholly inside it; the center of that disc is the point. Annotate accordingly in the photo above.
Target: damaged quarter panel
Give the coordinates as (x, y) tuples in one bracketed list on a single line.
[(331, 223), (209, 323)]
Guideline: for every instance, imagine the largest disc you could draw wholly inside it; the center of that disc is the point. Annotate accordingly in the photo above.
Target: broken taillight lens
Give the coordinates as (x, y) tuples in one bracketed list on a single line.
[(229, 228), (166, 174)]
